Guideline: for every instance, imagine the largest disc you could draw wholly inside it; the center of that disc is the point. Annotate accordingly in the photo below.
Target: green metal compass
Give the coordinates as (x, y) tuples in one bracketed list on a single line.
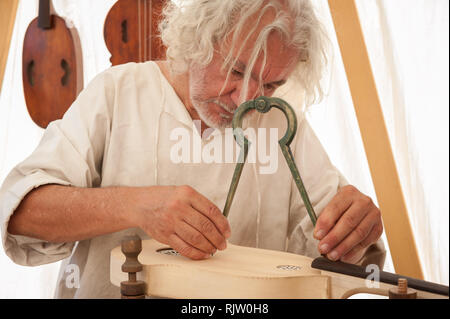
[(263, 105)]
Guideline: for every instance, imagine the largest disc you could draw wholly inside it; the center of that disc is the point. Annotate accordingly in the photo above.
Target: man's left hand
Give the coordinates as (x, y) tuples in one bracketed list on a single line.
[(348, 225)]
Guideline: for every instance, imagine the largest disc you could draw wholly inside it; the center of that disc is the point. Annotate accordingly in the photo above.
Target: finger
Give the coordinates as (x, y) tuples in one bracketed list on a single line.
[(194, 238), (206, 227), (331, 213), (348, 222), (356, 237), (355, 254), (185, 249), (207, 208)]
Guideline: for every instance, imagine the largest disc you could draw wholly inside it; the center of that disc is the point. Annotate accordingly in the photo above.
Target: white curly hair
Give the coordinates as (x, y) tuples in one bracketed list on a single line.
[(190, 29)]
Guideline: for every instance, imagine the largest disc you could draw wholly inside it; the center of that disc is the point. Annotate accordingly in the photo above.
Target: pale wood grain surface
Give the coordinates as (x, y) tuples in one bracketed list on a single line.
[(240, 272)]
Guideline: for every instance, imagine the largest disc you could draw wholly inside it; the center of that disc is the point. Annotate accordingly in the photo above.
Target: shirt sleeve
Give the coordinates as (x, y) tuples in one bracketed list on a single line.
[(69, 153), (322, 181)]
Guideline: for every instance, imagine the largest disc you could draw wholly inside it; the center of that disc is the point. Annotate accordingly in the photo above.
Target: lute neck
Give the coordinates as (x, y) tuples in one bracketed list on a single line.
[(44, 19)]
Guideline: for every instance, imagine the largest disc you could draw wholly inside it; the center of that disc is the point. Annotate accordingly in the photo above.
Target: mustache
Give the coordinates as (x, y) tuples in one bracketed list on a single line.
[(228, 108)]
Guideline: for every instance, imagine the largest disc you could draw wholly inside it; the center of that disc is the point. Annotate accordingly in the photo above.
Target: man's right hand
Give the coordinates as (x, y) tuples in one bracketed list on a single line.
[(182, 218)]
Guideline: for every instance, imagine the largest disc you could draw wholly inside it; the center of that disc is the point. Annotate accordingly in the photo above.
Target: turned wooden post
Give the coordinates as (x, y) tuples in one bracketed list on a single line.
[(132, 288)]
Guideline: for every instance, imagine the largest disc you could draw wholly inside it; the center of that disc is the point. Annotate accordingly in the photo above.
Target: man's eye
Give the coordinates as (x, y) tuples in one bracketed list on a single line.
[(269, 87), (236, 72)]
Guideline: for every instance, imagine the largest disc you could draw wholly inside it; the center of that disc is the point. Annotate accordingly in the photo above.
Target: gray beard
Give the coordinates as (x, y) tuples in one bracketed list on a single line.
[(208, 119)]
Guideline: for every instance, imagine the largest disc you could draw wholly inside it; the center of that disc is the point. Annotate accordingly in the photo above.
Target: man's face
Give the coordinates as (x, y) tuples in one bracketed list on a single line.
[(214, 98)]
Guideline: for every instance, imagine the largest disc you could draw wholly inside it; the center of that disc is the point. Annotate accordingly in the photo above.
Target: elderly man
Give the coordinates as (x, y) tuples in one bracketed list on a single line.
[(106, 170)]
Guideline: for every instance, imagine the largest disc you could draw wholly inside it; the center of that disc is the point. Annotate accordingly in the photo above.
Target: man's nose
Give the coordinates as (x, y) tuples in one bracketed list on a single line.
[(252, 93)]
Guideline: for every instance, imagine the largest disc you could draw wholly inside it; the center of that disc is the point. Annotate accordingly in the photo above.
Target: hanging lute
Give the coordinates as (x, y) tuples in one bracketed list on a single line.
[(51, 66), (131, 31)]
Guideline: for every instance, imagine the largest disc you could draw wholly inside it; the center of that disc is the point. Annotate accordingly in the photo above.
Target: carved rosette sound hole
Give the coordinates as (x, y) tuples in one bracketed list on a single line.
[(289, 267), (168, 251)]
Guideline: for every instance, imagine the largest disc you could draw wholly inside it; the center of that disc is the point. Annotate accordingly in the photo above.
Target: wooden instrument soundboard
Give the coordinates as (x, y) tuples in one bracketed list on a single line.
[(250, 273)]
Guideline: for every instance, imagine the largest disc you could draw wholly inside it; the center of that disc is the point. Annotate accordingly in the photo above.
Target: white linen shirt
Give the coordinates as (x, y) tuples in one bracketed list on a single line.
[(119, 132)]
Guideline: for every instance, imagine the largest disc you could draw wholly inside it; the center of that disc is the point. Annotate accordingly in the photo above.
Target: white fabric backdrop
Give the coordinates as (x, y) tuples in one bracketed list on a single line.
[(409, 51), (408, 47)]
